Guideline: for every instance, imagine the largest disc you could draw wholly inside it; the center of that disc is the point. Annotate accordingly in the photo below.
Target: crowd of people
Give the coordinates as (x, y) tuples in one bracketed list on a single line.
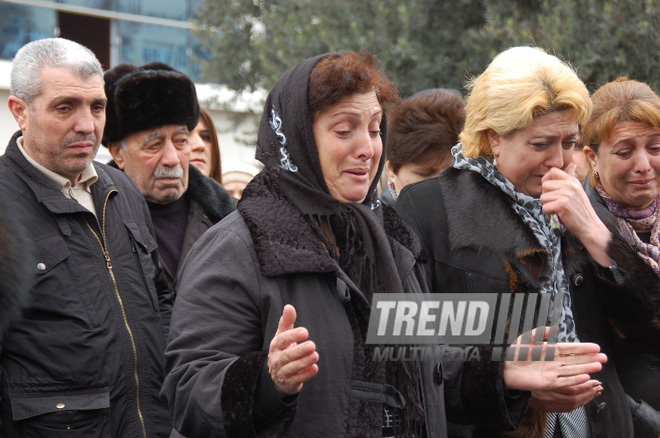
[(141, 298)]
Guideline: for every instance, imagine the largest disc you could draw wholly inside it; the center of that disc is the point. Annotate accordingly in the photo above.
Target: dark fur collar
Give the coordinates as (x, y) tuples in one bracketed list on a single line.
[(295, 247), (397, 229), (213, 198), (480, 217)]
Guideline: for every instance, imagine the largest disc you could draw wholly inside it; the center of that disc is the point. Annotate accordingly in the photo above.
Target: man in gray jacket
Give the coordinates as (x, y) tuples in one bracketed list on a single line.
[(85, 358), (151, 111)]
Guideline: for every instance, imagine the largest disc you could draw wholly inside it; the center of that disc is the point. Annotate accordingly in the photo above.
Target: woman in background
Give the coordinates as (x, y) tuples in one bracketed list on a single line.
[(236, 176), (205, 153), (622, 142), (421, 131)]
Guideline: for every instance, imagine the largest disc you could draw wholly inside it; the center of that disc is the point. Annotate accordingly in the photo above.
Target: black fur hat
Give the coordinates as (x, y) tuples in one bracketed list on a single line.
[(146, 97)]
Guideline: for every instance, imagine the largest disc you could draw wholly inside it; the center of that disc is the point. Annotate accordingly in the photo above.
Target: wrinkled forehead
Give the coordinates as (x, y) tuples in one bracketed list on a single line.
[(157, 133), (59, 82)]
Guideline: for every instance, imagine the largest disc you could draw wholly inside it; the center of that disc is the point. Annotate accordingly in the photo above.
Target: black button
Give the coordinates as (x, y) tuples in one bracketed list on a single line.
[(578, 280), (439, 377)]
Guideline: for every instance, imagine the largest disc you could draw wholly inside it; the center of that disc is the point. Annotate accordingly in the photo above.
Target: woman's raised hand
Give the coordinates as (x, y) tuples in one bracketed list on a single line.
[(571, 365), (291, 358), (563, 194)]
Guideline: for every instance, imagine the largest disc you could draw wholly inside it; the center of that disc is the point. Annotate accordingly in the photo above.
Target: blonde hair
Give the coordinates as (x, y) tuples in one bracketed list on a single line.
[(519, 85)]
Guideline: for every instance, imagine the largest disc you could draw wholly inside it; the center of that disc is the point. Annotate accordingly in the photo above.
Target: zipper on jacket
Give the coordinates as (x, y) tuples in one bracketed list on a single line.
[(108, 261)]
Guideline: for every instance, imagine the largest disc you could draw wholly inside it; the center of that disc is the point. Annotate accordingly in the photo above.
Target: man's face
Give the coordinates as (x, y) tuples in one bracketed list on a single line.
[(157, 161), (63, 126)]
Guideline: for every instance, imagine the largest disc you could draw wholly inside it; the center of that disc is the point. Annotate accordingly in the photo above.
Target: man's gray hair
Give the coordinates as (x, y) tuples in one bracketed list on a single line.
[(33, 57)]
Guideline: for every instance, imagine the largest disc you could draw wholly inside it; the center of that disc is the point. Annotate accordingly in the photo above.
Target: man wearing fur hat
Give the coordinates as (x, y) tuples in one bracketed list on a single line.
[(151, 111), (84, 356)]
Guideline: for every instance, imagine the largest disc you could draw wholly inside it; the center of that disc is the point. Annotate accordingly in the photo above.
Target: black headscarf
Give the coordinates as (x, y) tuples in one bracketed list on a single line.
[(286, 206)]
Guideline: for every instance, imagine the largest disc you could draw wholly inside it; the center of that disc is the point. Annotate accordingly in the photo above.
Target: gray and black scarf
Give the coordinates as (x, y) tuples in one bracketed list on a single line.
[(286, 206), (530, 210), (552, 281)]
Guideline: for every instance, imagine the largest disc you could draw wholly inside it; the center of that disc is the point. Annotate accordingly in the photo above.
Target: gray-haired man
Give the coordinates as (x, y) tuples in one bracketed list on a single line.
[(87, 354)]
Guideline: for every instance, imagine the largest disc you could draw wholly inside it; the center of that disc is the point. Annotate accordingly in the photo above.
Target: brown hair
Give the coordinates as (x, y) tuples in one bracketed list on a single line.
[(216, 162), (424, 128), (621, 100), (343, 74)]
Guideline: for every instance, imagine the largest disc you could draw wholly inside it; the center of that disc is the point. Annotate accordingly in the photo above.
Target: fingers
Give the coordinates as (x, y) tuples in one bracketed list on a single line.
[(579, 368), (569, 380), (579, 358), (530, 338), (290, 368), (556, 174), (296, 360), (579, 388), (283, 340), (292, 359), (566, 399), (577, 348), (297, 380), (287, 319), (570, 169)]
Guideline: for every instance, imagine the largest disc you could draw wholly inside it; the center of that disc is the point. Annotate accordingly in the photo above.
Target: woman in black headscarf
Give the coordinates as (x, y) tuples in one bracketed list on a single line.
[(309, 232)]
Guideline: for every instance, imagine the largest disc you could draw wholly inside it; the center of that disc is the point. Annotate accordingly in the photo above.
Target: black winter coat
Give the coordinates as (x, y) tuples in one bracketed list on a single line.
[(86, 358), (476, 243), (209, 203), (637, 366), (224, 318)]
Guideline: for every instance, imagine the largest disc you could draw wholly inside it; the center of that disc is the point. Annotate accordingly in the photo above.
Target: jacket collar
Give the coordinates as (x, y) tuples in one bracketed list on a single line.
[(46, 191), (211, 196), (482, 218)]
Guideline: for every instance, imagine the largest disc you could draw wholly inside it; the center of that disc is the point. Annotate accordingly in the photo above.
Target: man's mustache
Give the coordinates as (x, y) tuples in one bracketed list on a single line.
[(169, 172)]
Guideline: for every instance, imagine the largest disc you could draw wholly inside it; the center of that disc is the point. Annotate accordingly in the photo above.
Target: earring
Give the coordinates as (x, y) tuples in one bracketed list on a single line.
[(495, 161), (595, 174), (391, 189)]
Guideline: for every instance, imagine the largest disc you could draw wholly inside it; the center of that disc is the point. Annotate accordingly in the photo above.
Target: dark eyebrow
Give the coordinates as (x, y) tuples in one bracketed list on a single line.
[(75, 100), (629, 141), (103, 102), (554, 137), (64, 99)]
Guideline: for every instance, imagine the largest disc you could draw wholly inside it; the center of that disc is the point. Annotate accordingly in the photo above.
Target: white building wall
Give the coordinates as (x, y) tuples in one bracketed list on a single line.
[(7, 123)]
